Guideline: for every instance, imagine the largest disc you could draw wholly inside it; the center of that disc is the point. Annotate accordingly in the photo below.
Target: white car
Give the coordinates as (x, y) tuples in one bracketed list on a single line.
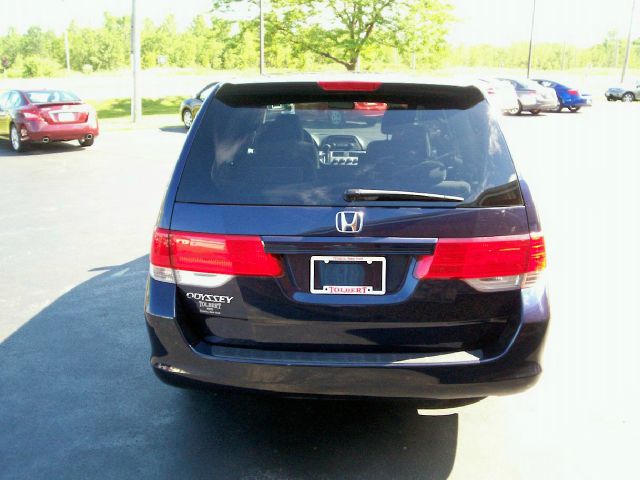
[(501, 95)]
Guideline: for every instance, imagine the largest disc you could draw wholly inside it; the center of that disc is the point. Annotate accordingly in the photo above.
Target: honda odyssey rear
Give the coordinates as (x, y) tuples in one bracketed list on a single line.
[(397, 259)]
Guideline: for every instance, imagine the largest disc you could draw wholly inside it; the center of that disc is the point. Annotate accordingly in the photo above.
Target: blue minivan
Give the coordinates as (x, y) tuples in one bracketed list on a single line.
[(397, 258)]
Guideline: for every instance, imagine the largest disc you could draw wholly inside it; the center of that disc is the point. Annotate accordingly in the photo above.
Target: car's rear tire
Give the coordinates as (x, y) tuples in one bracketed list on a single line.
[(611, 99), (560, 107), (628, 97), (86, 142), (534, 112), (518, 111), (17, 144), (511, 111), (187, 118), (574, 109)]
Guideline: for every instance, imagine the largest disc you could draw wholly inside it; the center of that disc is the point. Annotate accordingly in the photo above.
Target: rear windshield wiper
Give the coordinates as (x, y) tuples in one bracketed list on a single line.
[(355, 194)]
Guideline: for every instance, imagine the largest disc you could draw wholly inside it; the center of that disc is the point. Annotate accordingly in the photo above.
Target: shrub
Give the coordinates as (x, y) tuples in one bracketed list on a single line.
[(33, 66)]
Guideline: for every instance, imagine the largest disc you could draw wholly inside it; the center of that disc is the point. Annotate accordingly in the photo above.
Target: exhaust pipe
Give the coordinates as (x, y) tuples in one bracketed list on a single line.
[(45, 140), (88, 136)]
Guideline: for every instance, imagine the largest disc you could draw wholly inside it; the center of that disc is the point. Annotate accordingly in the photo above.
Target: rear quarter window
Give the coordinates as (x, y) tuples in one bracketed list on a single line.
[(281, 144)]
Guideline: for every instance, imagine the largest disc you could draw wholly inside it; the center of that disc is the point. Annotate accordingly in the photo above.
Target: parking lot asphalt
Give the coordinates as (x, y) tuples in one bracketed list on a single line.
[(78, 398)]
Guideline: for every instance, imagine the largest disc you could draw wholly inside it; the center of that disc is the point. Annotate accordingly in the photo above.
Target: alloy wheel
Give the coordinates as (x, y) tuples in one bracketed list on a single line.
[(15, 139), (187, 118)]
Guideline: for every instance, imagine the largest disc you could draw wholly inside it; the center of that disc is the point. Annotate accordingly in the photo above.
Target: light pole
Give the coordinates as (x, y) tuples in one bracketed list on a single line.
[(533, 21), (136, 101), (261, 39), (66, 43), (626, 54), (66, 49)]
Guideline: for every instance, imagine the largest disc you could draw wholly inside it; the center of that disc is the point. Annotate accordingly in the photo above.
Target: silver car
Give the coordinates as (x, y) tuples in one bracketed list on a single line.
[(627, 92)]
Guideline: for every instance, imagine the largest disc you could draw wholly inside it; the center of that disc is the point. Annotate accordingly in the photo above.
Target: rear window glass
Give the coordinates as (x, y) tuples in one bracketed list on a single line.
[(51, 96), (301, 146), (529, 84)]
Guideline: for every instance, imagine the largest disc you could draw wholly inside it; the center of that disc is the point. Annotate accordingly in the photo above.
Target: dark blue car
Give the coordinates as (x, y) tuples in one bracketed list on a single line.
[(402, 259), (568, 97)]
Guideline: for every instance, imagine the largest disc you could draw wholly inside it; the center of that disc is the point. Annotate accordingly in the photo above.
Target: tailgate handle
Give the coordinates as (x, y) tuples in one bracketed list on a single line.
[(349, 245)]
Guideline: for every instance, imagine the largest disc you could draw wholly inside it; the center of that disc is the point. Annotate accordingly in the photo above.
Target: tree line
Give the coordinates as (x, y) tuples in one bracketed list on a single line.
[(299, 35), (548, 56)]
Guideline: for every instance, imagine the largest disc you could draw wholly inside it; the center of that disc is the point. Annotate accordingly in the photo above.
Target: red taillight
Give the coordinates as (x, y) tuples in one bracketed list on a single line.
[(573, 92), (349, 86), (31, 114), (490, 91), (483, 257), (537, 253), (159, 255), (217, 254), (374, 106)]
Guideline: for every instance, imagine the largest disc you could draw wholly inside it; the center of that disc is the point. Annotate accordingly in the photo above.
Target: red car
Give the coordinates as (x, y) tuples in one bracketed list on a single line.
[(43, 116), (336, 113)]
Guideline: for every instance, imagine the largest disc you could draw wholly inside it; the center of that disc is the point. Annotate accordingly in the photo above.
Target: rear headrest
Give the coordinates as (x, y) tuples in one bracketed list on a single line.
[(394, 120), (285, 128)]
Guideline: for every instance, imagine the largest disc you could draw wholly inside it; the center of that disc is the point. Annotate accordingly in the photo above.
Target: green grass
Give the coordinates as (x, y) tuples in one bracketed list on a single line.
[(121, 107)]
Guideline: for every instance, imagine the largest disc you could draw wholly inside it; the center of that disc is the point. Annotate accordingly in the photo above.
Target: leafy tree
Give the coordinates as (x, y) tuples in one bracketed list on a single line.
[(10, 47), (341, 30), (104, 48)]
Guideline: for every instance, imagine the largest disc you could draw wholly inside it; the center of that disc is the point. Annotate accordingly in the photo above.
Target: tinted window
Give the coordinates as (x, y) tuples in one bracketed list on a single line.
[(206, 92), (306, 149), (530, 84), (15, 100), (51, 96)]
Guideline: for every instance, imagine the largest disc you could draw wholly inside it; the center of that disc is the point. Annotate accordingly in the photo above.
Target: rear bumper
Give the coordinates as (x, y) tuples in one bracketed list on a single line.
[(356, 115), (542, 106), (38, 131), (180, 362), (615, 94), (546, 105), (576, 102)]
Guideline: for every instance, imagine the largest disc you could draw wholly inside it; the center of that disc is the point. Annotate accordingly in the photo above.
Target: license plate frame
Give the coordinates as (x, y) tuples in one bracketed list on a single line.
[(347, 289), (66, 117)]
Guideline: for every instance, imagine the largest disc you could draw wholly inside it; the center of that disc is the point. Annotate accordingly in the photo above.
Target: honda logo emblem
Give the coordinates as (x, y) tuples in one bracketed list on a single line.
[(349, 222)]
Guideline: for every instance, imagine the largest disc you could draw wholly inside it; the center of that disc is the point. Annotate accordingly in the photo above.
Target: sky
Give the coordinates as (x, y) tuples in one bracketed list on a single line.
[(499, 22)]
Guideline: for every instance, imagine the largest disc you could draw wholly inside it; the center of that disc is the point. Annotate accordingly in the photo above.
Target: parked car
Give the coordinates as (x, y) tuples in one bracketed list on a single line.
[(502, 95), (629, 92), (190, 107), (411, 269), (568, 97), (44, 116), (533, 97), (335, 113)]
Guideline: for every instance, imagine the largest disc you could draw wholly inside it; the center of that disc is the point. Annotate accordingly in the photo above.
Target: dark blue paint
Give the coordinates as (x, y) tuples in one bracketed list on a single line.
[(378, 222), (514, 368), (280, 338)]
